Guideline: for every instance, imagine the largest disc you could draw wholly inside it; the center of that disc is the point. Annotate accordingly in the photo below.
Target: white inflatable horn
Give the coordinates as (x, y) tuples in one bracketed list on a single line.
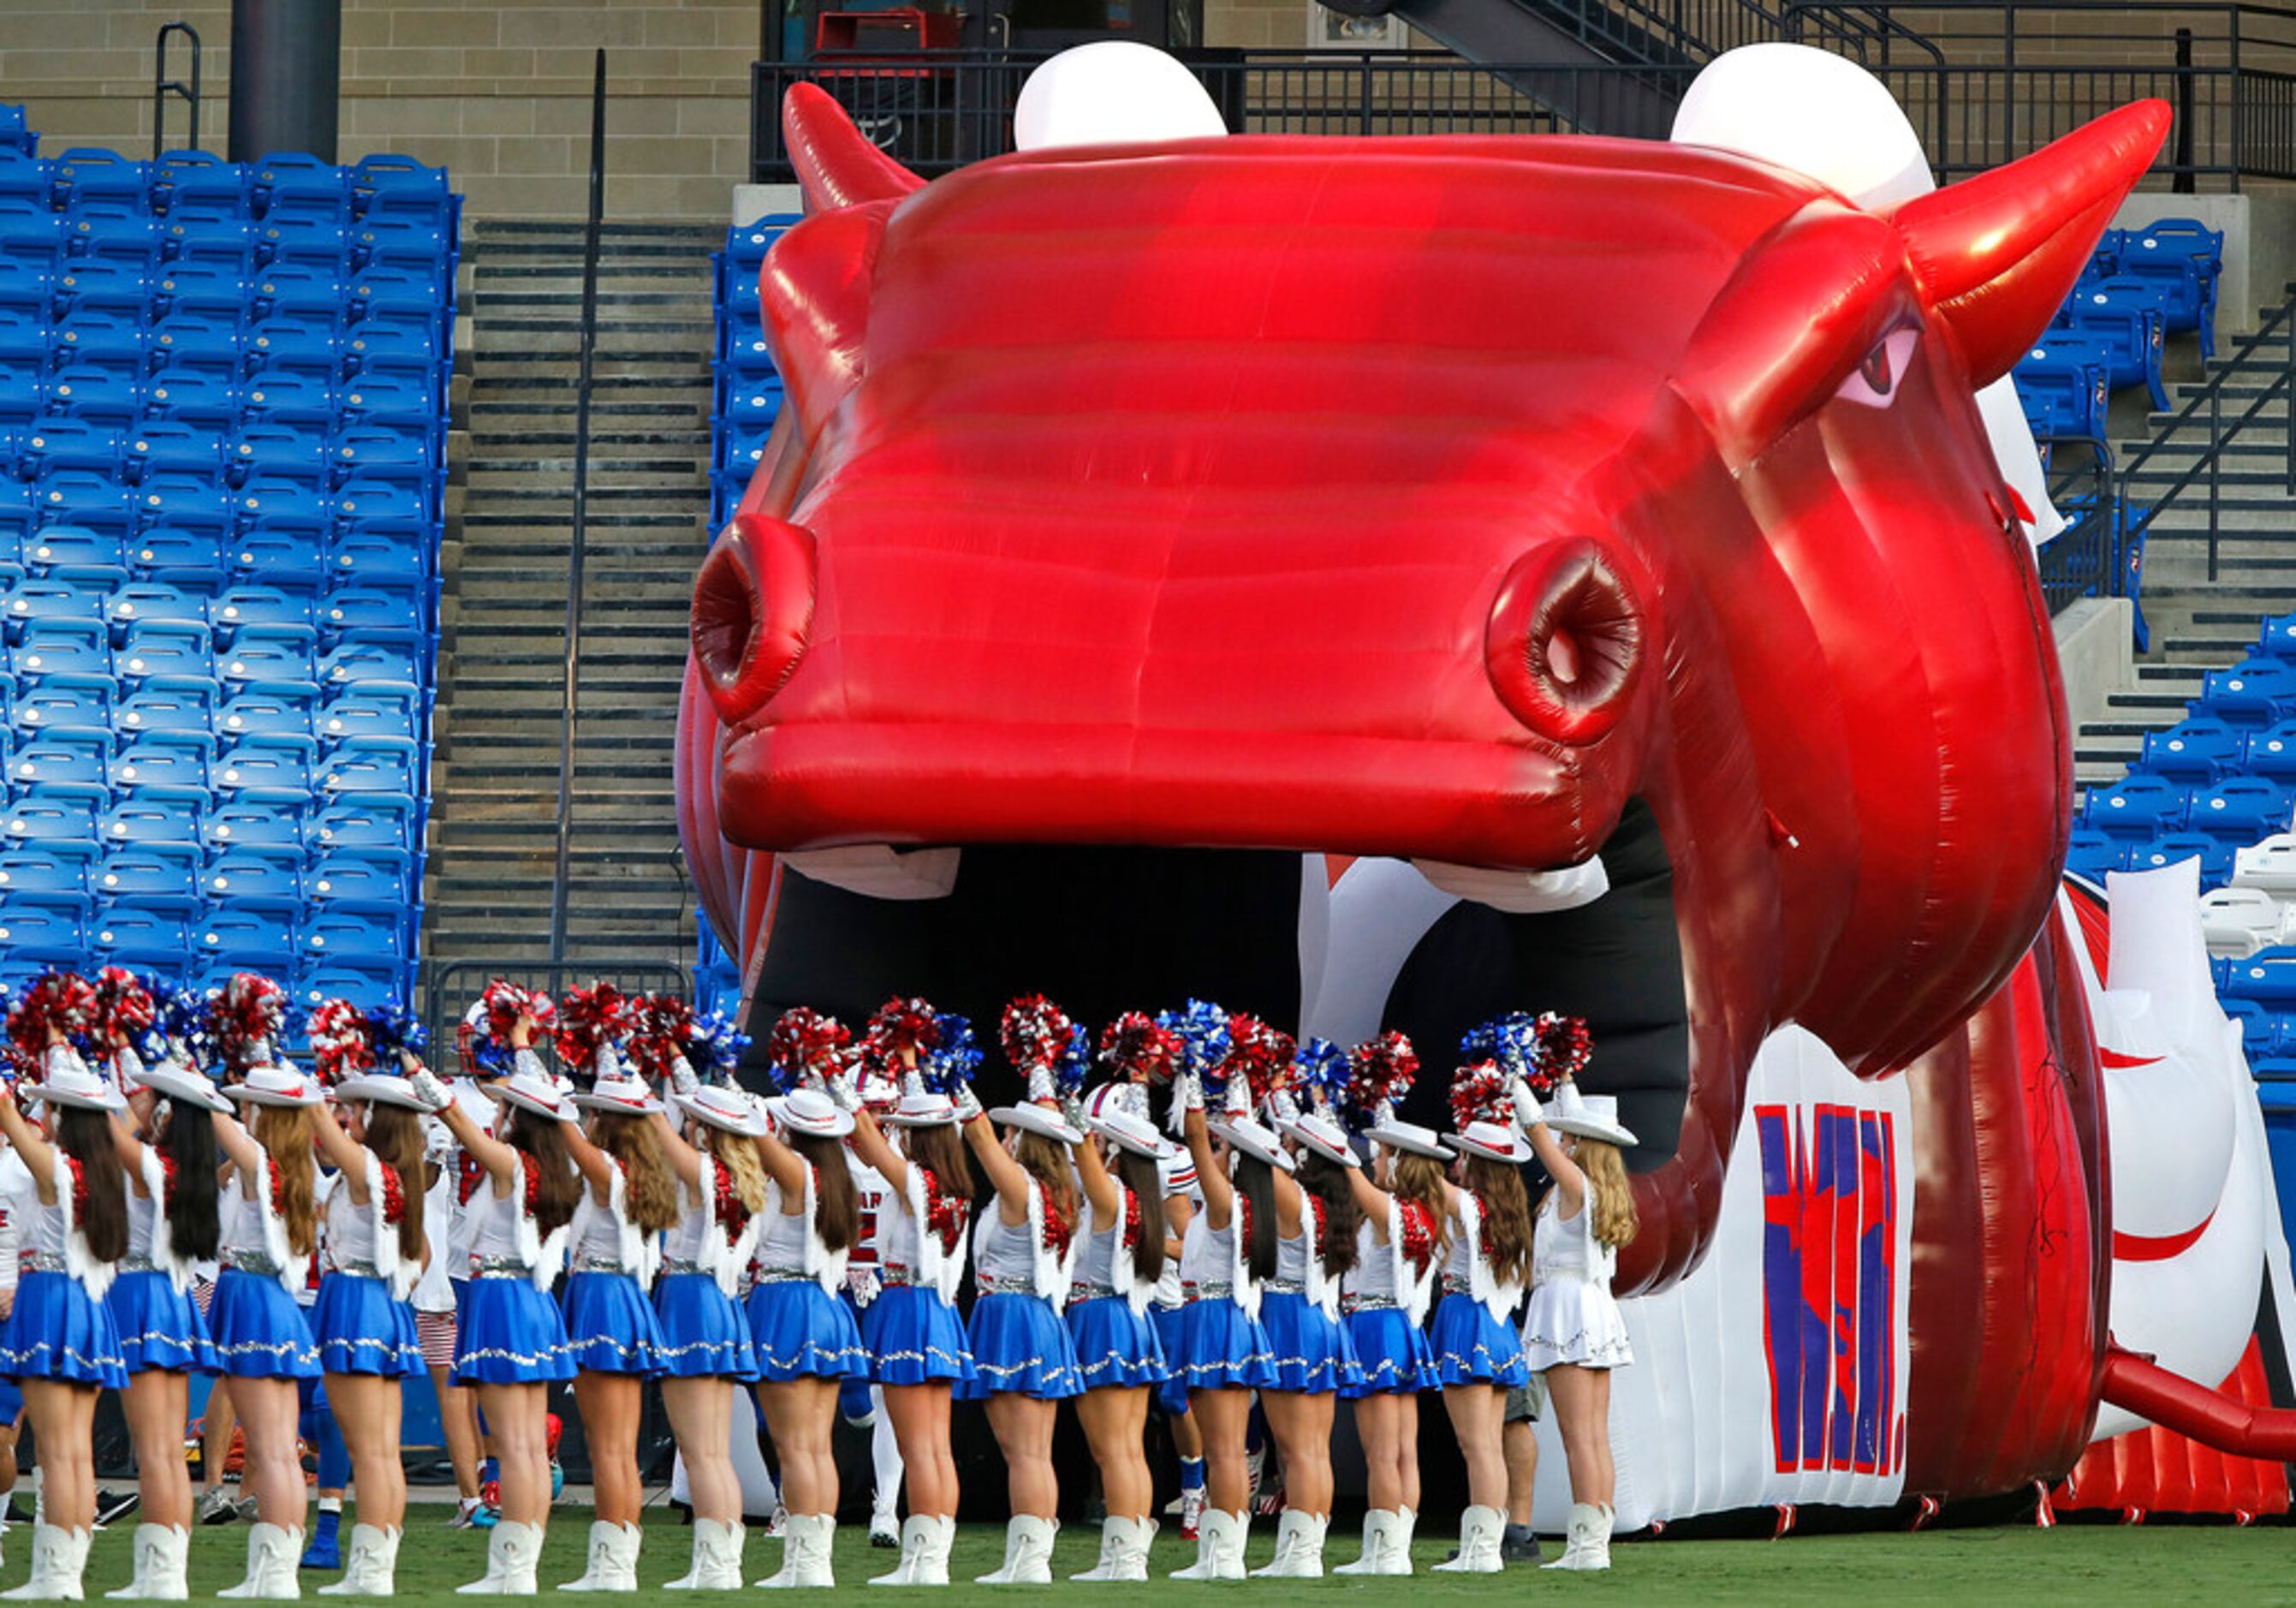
[(1112, 92)]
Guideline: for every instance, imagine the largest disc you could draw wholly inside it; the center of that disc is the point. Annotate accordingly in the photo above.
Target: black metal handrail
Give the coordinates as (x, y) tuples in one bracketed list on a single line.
[(2208, 403), (453, 985), (2083, 559), (579, 525), (162, 86)]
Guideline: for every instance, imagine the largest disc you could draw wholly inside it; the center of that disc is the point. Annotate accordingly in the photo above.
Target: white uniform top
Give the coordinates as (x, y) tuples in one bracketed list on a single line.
[(686, 1239), (347, 1232), (50, 1233), (1467, 1268), (461, 1218), (1565, 1249), (874, 1197), (14, 1176), (1177, 1174), (143, 1213), (1291, 1254)]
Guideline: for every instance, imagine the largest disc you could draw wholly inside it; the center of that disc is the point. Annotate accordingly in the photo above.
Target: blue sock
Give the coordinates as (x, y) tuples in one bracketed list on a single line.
[(1191, 1473), (328, 1522), (334, 1456), (487, 1471)]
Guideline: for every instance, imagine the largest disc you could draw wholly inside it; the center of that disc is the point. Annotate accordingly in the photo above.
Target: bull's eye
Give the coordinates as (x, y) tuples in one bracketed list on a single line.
[(1873, 383)]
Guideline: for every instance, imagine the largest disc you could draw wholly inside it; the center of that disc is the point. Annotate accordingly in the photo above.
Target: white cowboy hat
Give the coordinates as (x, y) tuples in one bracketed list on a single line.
[(1410, 1139), (278, 1083), (1589, 1116), (1256, 1139), (1323, 1136), (72, 1084), (1115, 1120), (1130, 1098), (382, 1088), (1038, 1119), (806, 1112), (628, 1096), (920, 1111), (1497, 1141), (539, 1095), (177, 1082)]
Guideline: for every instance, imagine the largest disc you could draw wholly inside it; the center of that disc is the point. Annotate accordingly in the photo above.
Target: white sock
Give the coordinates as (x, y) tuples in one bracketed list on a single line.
[(885, 1454)]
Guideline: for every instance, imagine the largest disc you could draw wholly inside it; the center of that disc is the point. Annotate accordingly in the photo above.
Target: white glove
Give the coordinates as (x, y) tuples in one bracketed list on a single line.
[(129, 1068), (1188, 1092), (1528, 1111), (842, 1091), (1284, 1106), (435, 1095), (527, 1063), (682, 1081), (1041, 1091), (968, 1103)]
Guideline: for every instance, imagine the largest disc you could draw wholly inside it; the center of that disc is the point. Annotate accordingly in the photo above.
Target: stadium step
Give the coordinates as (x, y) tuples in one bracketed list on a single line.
[(494, 834)]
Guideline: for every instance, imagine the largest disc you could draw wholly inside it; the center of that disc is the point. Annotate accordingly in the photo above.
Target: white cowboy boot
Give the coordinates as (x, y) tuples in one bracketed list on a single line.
[(512, 1553), (1298, 1547), (162, 1553), (372, 1569), (805, 1558), (53, 1579), (1123, 1551), (613, 1561), (1396, 1558), (1028, 1553), (273, 1554), (933, 1563), (1479, 1529), (914, 1531), (1220, 1547), (1379, 1525), (1583, 1517), (717, 1558)]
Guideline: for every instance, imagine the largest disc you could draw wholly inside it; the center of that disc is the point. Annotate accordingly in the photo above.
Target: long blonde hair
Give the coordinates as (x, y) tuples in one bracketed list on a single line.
[(1506, 1216), (649, 1200), (1608, 1195), (1418, 1178), (737, 1153), (287, 1134)]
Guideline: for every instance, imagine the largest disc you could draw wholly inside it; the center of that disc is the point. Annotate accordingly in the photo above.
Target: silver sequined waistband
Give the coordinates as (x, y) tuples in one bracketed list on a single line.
[(357, 1270), (1284, 1286), (591, 1261), (1195, 1292), (672, 1265), (137, 1263), (1375, 1303), (1452, 1284), (997, 1284), (41, 1261), (499, 1267), (251, 1261)]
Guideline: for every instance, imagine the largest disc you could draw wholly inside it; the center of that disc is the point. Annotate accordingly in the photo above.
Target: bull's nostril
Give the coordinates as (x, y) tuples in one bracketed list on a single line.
[(1564, 644), (752, 612)]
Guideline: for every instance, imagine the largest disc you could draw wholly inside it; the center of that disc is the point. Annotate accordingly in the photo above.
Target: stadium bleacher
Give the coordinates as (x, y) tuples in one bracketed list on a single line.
[(223, 403)]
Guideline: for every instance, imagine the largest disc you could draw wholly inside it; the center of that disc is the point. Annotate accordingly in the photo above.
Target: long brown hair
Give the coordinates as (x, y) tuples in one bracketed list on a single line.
[(1047, 1161), (1419, 1179), (557, 1189), (737, 1153), (1497, 1187), (395, 1134), (1608, 1195), (941, 1153), (650, 1201), (85, 1136), (1326, 1180), (286, 1133), (188, 1140), (1139, 1174), (1255, 1181), (836, 1208)]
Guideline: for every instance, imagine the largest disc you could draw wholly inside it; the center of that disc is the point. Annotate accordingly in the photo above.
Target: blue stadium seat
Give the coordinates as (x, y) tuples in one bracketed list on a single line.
[(194, 395), (400, 240), (170, 446), (35, 934), (293, 185), (2268, 976), (291, 343), (183, 502), (274, 505), (231, 934), (164, 875), (313, 241), (40, 814), (199, 338), (45, 871), (297, 287), (2214, 854), (390, 343), (34, 599), (64, 763), (2198, 750), (270, 710), (95, 282), (2184, 259), (164, 648), (390, 556), (62, 647), (2062, 383), (2254, 694), (28, 283), (374, 765), (2243, 810), (113, 235), (2137, 809), (150, 600), (370, 982), (132, 933), (63, 443), (229, 239), (88, 391), (357, 662), (359, 880), (372, 708), (371, 502), (386, 396), (147, 822), (61, 546), (267, 762), (212, 190), (65, 704), (194, 282), (394, 285), (78, 496), (258, 653), (186, 557), (354, 935), (399, 186), (23, 390), (261, 606), (289, 397), (254, 877), (256, 824), (284, 451), (383, 453), (180, 703), (371, 615), (102, 337), (366, 820), (278, 553), (86, 176)]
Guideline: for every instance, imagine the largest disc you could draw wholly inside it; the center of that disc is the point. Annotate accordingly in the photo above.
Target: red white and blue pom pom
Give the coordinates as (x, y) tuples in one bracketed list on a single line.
[(955, 1058), (124, 1007), (1140, 1049), (910, 1025), (1258, 1062), (714, 1045), (807, 1049), (1482, 1093), (246, 1019), (179, 1028), (503, 1004), (58, 1002), (1382, 1071), (342, 1043), (1564, 1047), (588, 1018), (1201, 1029), (1319, 1073), (1044, 1045)]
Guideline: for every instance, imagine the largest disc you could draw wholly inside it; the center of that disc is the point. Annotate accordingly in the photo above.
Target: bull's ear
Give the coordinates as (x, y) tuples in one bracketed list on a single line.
[(814, 291), (1805, 306), (1997, 255), (837, 166)]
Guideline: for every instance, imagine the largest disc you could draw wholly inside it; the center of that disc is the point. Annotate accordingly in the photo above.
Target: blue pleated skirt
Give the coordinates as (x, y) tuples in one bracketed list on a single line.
[(1221, 1349), (1020, 1347), (510, 1332), (1472, 1347), (610, 1327), (1392, 1356), (362, 1329), (704, 1335), (802, 1332), (1115, 1346), (914, 1337), (1310, 1352), (1172, 1394), (59, 1331), (160, 1326), (259, 1332)]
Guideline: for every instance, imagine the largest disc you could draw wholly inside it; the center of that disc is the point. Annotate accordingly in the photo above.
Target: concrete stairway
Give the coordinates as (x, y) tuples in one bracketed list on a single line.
[(494, 815), (2199, 623)]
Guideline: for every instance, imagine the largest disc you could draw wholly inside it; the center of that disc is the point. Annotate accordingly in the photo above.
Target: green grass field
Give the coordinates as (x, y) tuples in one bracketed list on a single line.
[(2072, 1563)]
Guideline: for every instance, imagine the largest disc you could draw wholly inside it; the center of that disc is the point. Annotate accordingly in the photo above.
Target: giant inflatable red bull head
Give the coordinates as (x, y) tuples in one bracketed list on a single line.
[(1483, 502)]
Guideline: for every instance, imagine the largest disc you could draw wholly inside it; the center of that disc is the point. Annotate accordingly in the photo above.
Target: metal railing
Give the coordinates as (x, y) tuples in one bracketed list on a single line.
[(453, 986), (2083, 559), (1982, 82), (2204, 476), (163, 86)]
